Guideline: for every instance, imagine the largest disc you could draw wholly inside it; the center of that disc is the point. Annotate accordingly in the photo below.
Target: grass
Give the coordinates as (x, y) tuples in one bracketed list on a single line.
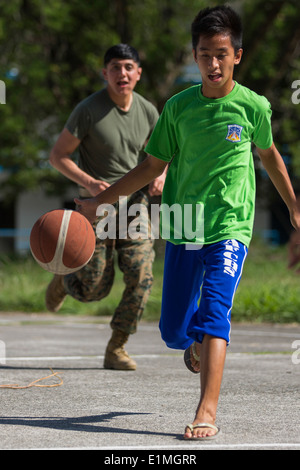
[(23, 284), (268, 291)]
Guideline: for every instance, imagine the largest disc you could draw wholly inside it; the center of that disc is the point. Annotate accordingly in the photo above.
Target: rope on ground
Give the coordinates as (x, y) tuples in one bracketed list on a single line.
[(35, 382)]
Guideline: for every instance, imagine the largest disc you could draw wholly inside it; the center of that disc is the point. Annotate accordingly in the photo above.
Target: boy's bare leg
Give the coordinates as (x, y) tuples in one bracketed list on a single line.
[(212, 359)]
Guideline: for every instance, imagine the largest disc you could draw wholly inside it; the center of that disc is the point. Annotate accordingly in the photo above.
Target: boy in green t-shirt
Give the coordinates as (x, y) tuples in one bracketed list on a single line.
[(205, 135)]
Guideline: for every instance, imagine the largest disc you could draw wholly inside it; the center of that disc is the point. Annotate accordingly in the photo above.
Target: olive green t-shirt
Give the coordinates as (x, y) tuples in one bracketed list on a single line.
[(112, 140), (208, 142)]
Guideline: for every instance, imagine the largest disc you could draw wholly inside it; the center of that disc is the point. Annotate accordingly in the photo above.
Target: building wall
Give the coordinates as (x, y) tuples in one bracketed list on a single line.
[(28, 208)]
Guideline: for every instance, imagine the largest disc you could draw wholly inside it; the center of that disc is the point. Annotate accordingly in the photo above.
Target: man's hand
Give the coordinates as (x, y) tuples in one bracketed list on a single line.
[(95, 187)]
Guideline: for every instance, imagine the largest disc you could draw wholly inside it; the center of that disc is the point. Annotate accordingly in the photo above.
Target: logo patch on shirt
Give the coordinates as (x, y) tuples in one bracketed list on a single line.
[(234, 133)]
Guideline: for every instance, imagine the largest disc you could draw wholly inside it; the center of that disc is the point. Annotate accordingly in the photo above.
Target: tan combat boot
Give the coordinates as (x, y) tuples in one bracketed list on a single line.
[(55, 294), (115, 355)]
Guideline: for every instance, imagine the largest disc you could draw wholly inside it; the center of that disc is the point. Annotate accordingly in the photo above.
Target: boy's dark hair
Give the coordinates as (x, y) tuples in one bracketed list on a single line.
[(121, 51), (218, 20)]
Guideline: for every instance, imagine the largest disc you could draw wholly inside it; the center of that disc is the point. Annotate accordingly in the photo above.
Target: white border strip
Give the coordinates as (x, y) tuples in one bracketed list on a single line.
[(201, 446), (186, 448)]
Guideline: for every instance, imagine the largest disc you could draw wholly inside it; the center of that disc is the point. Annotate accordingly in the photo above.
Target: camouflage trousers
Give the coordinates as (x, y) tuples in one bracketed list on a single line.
[(135, 258)]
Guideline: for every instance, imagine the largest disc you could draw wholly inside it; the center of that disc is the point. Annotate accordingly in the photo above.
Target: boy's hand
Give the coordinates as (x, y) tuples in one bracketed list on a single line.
[(294, 242), (295, 218), (156, 186), (88, 208)]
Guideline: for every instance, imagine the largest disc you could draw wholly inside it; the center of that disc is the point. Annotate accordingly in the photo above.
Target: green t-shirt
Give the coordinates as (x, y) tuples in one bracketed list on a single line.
[(208, 142), (112, 140)]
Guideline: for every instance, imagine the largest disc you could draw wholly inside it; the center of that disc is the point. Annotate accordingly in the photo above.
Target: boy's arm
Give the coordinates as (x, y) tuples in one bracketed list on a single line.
[(276, 169), (136, 179)]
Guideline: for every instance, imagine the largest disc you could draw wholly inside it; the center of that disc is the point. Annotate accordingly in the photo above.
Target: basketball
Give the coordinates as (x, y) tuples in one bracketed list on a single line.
[(62, 241)]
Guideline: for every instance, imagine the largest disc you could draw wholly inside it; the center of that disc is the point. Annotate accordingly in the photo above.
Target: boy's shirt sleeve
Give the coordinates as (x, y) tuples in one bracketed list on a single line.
[(262, 134), (163, 143)]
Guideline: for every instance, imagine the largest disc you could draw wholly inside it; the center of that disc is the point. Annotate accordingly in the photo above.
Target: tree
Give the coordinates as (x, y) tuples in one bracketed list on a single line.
[(51, 57), (270, 65), (271, 61)]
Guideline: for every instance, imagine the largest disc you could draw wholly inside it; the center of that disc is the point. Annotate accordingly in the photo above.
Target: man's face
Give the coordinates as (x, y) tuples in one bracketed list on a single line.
[(216, 58), (122, 76)]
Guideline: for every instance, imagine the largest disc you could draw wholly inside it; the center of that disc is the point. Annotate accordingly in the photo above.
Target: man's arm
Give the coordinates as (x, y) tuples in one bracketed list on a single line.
[(136, 179), (276, 169), (60, 158)]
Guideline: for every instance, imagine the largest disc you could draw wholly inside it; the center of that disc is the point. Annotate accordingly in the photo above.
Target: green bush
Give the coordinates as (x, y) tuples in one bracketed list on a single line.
[(268, 291)]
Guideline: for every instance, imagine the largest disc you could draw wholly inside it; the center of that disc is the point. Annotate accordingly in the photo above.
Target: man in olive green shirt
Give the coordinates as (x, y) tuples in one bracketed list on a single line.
[(110, 129)]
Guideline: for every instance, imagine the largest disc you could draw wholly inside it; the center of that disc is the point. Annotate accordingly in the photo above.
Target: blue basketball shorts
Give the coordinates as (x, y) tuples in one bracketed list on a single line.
[(198, 290)]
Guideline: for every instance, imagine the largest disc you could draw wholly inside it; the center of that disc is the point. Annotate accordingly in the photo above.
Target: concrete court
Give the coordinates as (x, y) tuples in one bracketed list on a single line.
[(115, 411)]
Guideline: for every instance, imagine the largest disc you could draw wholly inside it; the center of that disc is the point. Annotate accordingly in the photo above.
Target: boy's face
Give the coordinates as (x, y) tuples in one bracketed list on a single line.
[(122, 76), (216, 58)]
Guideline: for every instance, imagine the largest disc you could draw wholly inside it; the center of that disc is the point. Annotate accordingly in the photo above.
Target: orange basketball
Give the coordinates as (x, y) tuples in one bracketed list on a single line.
[(62, 241)]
